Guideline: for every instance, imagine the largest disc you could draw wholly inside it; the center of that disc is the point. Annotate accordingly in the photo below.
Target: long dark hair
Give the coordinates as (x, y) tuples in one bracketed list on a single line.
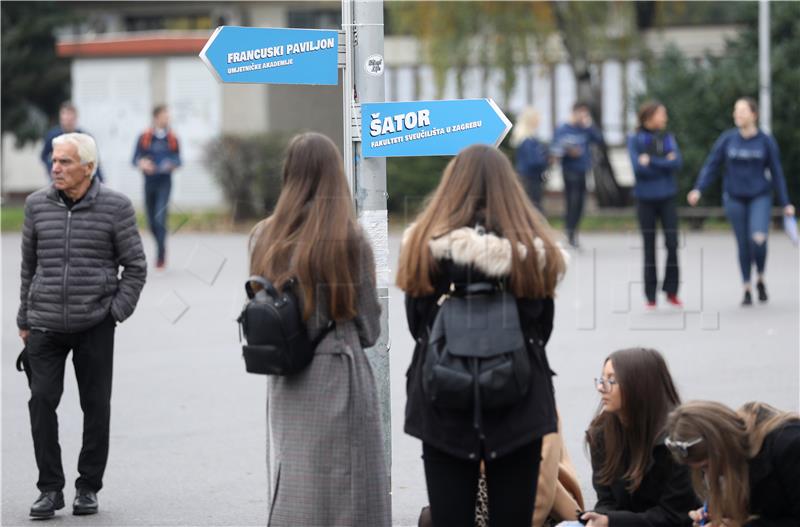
[(481, 180), (312, 235), (624, 440)]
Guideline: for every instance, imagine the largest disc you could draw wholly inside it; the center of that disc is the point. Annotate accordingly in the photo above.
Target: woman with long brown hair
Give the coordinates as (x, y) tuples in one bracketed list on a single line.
[(479, 229), (636, 480), (325, 454), (745, 464)]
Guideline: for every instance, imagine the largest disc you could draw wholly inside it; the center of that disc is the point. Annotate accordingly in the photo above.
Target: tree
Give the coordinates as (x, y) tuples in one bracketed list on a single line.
[(34, 80), (700, 95), (487, 34)]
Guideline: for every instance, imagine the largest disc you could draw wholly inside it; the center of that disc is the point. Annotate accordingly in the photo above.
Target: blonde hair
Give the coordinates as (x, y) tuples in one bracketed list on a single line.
[(527, 125)]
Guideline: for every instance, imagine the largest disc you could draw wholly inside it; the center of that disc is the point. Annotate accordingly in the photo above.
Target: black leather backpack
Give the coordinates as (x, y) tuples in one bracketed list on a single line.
[(276, 338), (476, 356)]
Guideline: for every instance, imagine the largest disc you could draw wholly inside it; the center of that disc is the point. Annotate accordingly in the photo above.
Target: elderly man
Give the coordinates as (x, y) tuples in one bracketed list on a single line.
[(77, 233)]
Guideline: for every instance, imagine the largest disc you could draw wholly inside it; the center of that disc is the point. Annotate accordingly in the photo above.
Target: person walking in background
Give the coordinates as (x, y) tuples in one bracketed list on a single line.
[(572, 143), (326, 460), (745, 464), (636, 480), (531, 157), (655, 158), (67, 123), (752, 170), (479, 235), (76, 234), (157, 155)]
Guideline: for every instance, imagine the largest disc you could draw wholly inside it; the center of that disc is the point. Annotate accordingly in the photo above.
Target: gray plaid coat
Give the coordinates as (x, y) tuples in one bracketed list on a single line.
[(325, 455)]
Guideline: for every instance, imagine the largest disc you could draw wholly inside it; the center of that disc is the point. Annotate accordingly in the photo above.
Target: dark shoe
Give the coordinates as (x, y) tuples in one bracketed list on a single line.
[(748, 299), (47, 504), (85, 502), (762, 292)]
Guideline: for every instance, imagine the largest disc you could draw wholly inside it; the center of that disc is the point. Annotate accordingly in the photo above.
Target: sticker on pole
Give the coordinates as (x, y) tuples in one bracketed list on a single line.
[(259, 55), (430, 128)]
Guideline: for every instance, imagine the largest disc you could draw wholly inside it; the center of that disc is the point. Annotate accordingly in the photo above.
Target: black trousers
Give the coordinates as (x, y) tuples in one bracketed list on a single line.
[(533, 187), (92, 356), (650, 212), (511, 481), (575, 195)]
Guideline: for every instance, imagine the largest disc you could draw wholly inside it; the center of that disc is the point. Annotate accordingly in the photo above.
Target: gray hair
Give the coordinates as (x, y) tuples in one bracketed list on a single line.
[(84, 143)]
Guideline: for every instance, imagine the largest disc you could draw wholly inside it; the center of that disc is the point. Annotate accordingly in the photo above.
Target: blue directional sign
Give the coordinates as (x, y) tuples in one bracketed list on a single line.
[(430, 128), (273, 55)]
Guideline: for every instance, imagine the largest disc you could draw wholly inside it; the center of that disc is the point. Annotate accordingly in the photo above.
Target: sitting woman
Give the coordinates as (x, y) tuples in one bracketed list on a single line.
[(636, 480), (745, 464)]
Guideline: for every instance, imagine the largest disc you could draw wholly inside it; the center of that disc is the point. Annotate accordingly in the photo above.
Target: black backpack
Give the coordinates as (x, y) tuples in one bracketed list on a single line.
[(273, 327), (476, 356)]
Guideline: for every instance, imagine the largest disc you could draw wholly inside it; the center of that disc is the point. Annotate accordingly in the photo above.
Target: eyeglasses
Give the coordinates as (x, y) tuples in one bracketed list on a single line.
[(681, 448), (605, 385)]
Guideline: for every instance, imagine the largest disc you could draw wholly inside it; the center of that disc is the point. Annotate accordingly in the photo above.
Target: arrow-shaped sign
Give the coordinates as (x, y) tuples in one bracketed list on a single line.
[(430, 128), (273, 55)]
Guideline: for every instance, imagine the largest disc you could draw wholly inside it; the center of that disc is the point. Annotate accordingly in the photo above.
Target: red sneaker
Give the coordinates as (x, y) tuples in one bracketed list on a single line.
[(161, 265), (650, 306), (673, 300)]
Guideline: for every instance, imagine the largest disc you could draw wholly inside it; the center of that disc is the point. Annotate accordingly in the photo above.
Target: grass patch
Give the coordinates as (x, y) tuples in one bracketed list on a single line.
[(220, 221), (13, 217)]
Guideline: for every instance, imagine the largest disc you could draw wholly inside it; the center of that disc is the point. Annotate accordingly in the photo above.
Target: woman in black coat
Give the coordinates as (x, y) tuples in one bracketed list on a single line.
[(638, 484), (745, 464), (478, 229)]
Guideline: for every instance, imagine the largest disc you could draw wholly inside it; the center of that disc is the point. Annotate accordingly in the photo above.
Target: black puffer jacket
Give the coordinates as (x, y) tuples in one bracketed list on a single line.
[(71, 259), (464, 256)]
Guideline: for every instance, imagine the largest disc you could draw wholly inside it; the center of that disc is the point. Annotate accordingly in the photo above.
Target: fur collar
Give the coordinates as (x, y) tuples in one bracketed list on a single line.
[(485, 251)]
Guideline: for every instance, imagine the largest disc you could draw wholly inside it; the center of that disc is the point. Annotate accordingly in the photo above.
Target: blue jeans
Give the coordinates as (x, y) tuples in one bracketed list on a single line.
[(749, 218), (156, 196)]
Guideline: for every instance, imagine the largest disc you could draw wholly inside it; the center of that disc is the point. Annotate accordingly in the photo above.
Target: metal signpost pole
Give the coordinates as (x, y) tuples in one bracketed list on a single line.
[(362, 22), (764, 76)]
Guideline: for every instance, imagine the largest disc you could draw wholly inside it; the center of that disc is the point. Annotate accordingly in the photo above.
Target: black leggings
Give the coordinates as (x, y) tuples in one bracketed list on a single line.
[(511, 480)]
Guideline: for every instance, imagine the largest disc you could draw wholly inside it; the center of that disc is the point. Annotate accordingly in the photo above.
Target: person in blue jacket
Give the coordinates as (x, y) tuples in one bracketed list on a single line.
[(655, 158), (747, 155), (67, 123), (157, 155), (532, 156), (571, 143)]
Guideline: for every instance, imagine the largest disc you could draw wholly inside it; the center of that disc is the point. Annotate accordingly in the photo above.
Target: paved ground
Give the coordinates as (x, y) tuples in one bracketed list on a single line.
[(188, 423)]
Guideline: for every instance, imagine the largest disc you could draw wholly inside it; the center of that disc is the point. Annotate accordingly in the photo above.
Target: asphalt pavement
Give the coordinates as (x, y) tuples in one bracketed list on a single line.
[(188, 424)]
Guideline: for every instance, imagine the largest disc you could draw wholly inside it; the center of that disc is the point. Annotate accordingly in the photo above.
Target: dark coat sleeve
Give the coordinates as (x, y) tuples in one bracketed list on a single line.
[(28, 266), (786, 465), (606, 502), (130, 255), (673, 504), (368, 308)]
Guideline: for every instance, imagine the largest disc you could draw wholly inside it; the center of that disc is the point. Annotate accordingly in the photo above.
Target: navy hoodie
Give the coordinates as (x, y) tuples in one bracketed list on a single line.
[(657, 180), (531, 159), (745, 163), (571, 136)]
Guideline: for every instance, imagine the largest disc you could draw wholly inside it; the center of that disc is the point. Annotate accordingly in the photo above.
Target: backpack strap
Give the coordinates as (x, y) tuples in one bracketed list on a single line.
[(263, 282)]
